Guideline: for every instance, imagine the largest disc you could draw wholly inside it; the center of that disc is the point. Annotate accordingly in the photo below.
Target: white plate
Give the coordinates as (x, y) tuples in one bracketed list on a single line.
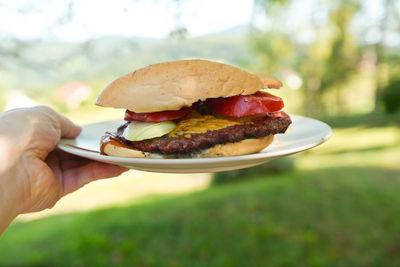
[(304, 133)]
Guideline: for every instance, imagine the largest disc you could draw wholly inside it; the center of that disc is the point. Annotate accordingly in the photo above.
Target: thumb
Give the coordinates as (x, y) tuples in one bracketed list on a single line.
[(68, 128)]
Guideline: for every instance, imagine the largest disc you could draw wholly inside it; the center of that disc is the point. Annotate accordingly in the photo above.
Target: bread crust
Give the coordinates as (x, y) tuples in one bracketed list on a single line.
[(247, 146), (119, 151), (268, 80), (173, 85)]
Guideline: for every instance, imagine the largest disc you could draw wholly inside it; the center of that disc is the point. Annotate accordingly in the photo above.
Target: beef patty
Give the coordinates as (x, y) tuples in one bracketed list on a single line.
[(194, 142)]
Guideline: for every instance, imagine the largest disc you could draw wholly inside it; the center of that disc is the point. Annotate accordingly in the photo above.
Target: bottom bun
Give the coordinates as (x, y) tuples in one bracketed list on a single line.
[(247, 146), (120, 151)]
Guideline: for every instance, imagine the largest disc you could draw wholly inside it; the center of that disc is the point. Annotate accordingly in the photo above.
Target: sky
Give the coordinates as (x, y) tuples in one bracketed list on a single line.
[(41, 19), (150, 18)]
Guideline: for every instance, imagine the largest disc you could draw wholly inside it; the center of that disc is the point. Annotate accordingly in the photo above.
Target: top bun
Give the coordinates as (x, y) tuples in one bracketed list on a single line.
[(268, 80), (173, 85)]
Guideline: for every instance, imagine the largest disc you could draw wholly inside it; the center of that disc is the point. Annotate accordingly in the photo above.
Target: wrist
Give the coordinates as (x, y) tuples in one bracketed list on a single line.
[(8, 209), (9, 199)]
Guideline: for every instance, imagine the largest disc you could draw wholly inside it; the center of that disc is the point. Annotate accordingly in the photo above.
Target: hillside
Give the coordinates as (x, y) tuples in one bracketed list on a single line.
[(38, 63)]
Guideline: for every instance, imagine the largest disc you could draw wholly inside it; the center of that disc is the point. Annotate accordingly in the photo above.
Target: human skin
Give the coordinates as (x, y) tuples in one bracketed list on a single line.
[(34, 174)]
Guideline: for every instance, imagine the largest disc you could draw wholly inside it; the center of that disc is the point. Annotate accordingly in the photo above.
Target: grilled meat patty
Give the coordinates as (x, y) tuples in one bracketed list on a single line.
[(194, 142)]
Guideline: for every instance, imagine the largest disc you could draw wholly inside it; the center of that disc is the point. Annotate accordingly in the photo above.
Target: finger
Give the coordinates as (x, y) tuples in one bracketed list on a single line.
[(77, 177), (67, 128), (69, 161), (53, 161)]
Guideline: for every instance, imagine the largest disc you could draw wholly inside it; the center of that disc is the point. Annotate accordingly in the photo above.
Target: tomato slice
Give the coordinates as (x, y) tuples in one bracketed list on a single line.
[(244, 105), (159, 116), (278, 114)]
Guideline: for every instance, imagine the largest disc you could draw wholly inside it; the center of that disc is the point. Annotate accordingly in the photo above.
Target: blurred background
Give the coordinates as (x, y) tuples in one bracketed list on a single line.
[(336, 205)]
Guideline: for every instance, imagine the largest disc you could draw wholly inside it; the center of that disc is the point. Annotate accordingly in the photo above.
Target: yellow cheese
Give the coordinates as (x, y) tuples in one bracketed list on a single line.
[(197, 123)]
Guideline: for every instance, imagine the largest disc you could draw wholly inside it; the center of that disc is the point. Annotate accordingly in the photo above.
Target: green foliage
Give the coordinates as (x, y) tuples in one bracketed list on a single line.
[(343, 54), (331, 58), (391, 96), (274, 50)]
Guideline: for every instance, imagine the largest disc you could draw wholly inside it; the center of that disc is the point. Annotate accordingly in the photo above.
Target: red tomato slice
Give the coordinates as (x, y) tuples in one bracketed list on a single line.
[(244, 105), (278, 114), (159, 116)]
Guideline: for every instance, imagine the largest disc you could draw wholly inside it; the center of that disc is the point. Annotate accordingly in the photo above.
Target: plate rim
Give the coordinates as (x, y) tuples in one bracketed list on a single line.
[(63, 146)]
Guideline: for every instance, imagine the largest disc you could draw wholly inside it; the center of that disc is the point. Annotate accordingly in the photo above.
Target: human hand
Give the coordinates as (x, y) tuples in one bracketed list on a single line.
[(34, 175)]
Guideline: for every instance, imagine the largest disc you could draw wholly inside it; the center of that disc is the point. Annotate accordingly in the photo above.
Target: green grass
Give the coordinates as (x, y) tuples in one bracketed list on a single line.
[(340, 207), (350, 218)]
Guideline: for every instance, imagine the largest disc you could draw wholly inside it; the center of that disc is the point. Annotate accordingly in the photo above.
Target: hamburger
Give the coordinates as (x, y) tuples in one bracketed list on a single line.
[(192, 108)]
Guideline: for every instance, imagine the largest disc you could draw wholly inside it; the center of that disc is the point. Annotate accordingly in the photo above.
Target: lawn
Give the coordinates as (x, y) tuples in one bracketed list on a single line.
[(340, 206)]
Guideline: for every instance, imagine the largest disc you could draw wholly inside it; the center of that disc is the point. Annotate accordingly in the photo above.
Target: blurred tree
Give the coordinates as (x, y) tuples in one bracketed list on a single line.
[(391, 96), (333, 60), (274, 48), (179, 33), (325, 63), (388, 72)]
